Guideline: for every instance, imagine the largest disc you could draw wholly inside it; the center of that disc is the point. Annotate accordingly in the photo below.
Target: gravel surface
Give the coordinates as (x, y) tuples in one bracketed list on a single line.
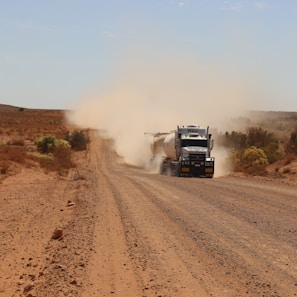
[(127, 232)]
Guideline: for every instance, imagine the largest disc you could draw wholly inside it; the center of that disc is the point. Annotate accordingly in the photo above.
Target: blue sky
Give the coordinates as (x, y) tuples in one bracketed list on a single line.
[(54, 52)]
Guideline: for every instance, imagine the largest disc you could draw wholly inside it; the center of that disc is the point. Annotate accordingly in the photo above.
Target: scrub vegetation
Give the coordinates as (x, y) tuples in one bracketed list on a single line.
[(255, 148), (37, 138)]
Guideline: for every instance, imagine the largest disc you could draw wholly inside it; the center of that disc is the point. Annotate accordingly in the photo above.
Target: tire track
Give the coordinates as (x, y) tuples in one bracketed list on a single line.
[(192, 237), (110, 271)]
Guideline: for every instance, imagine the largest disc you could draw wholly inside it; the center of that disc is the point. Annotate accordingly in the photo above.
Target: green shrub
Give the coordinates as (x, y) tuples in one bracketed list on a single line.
[(78, 140), (273, 151), (55, 154), (62, 144), (254, 159), (46, 144)]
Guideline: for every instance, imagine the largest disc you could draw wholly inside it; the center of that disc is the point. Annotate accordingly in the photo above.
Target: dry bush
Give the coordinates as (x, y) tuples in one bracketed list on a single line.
[(291, 146), (234, 158), (13, 153), (256, 170), (62, 155), (289, 158), (17, 154), (4, 166), (59, 161), (47, 162), (55, 154), (3, 152), (17, 142)]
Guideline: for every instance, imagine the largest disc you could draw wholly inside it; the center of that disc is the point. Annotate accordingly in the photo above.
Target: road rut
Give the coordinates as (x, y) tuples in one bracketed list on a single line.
[(166, 236)]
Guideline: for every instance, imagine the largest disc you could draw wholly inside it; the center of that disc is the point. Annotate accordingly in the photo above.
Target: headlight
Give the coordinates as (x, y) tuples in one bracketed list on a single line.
[(209, 159), (185, 157)]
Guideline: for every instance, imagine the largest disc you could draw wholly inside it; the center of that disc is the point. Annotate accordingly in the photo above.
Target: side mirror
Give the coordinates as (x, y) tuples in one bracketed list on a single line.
[(211, 144)]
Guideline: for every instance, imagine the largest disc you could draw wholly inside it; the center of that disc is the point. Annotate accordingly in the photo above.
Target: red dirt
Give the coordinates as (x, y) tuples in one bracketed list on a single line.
[(126, 232)]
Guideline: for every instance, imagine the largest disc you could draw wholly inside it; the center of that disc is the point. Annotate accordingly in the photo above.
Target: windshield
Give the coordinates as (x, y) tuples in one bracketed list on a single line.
[(194, 142)]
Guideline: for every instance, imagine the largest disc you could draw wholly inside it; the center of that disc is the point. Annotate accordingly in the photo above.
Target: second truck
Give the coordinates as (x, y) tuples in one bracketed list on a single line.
[(185, 151)]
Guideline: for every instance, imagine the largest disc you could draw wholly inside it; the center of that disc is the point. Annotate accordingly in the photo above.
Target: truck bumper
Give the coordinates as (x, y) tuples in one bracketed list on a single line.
[(196, 171)]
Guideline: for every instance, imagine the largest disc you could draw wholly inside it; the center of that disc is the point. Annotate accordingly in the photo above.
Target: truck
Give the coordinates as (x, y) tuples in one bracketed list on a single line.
[(185, 151)]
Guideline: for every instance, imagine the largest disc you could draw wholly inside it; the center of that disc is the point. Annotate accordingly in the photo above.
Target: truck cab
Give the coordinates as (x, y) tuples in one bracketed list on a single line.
[(194, 145)]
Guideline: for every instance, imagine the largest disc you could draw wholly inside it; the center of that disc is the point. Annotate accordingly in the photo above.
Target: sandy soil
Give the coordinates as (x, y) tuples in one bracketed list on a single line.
[(126, 232)]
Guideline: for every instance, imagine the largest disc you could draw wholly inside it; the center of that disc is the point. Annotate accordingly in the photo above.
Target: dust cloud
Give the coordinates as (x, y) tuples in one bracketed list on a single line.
[(155, 93)]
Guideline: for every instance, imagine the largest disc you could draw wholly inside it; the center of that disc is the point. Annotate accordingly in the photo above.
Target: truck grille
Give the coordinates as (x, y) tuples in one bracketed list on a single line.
[(197, 157)]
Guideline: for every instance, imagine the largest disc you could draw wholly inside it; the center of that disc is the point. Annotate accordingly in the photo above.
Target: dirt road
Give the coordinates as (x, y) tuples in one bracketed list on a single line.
[(132, 233)]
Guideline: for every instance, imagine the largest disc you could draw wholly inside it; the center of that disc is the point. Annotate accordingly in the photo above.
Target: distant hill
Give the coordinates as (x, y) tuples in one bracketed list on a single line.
[(5, 107), (11, 108)]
